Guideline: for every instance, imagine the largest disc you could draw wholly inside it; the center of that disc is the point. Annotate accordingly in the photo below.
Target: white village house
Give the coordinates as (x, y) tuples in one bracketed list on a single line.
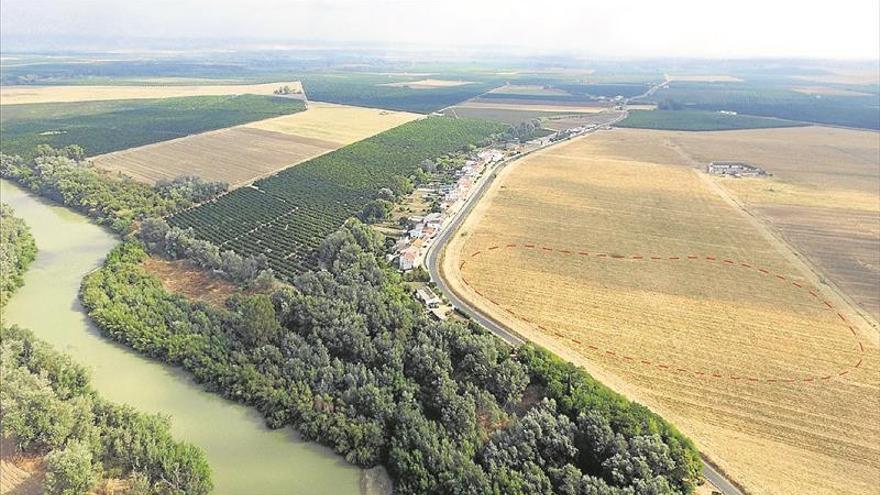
[(428, 297), (407, 260)]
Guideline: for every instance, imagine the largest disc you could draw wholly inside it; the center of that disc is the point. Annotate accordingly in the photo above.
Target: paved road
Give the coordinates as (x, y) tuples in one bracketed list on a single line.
[(509, 335)]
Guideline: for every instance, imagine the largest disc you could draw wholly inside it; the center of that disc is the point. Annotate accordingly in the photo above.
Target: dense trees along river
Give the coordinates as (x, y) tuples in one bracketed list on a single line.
[(244, 455)]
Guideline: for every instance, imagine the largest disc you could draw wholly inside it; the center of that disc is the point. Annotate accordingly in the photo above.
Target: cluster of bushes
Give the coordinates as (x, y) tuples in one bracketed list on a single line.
[(286, 90), (525, 131), (113, 200), (176, 243), (17, 252), (50, 409), (347, 357)]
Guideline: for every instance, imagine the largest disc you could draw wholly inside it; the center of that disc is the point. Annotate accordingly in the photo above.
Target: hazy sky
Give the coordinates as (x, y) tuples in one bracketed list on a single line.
[(615, 28)]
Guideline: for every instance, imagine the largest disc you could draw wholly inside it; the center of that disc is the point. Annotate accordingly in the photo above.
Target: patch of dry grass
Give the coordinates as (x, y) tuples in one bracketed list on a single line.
[(237, 155), (709, 344), (866, 76), (20, 473), (779, 192), (195, 283)]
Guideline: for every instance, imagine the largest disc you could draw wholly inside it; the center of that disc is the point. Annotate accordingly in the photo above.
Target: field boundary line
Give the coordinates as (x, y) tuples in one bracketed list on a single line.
[(799, 259)]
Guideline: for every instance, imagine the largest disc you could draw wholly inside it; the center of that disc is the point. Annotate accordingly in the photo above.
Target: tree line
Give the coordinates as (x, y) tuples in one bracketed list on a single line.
[(347, 357), (63, 175), (50, 409), (17, 252)]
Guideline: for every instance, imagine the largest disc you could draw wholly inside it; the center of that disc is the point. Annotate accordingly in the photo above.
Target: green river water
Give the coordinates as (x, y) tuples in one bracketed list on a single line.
[(245, 456)]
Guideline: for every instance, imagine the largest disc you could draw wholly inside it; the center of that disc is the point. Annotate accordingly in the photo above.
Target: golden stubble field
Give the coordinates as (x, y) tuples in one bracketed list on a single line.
[(341, 124), (611, 253), (824, 197), (239, 155), (427, 84), (12, 95), (702, 78)]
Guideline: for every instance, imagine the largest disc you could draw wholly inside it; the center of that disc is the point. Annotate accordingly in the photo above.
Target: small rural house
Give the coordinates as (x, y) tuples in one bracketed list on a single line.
[(428, 297)]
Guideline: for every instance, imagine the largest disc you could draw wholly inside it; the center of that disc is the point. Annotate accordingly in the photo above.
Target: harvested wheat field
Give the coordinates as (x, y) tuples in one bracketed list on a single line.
[(823, 198), (340, 124), (427, 84), (530, 89), (828, 91), (844, 77), (611, 253), (240, 155), (702, 78), (11, 95)]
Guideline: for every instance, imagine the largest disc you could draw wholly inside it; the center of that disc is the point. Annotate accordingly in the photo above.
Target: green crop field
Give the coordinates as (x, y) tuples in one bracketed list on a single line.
[(773, 99), (286, 216), (105, 126), (367, 90), (697, 120)]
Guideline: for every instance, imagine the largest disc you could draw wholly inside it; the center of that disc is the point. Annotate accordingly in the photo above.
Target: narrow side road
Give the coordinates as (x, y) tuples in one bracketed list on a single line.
[(433, 261)]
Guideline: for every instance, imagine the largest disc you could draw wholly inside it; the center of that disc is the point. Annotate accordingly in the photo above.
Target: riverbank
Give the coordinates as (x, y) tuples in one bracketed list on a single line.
[(245, 456)]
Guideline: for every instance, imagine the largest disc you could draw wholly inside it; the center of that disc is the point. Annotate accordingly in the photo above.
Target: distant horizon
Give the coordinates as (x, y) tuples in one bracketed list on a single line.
[(625, 30), (183, 46)]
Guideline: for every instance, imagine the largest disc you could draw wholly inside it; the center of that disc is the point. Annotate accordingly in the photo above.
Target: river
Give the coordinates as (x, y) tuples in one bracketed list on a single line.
[(245, 456)]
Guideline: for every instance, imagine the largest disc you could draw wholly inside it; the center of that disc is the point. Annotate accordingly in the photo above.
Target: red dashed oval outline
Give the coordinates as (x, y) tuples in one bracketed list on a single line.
[(610, 353)]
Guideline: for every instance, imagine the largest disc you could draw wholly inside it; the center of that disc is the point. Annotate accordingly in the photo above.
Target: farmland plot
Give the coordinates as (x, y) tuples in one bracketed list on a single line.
[(374, 90), (823, 198), (236, 155), (426, 84), (515, 103), (105, 126), (556, 107), (695, 120), (13, 95), (611, 253), (242, 154), (340, 124), (286, 216)]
